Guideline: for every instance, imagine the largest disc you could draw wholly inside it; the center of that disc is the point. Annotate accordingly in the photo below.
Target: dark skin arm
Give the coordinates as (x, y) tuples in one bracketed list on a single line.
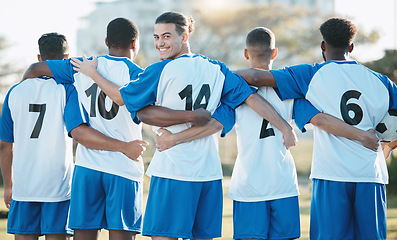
[(93, 139), (38, 69), (257, 77)]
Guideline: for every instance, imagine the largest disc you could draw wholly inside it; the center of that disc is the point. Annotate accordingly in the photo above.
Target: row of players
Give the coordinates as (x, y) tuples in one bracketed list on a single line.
[(185, 198)]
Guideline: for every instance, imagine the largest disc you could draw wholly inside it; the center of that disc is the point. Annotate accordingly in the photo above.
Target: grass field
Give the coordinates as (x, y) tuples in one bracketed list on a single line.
[(302, 155)]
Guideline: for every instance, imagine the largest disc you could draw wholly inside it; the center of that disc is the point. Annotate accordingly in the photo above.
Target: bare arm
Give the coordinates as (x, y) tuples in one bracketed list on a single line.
[(167, 140), (266, 111), (338, 127), (257, 77), (38, 69), (164, 117), (89, 68), (6, 155), (93, 139), (388, 147)]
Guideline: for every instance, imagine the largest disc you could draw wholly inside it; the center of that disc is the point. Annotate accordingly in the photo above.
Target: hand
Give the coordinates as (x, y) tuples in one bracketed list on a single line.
[(86, 67), (370, 140), (7, 196), (164, 140), (290, 139), (134, 149), (202, 116), (386, 149)]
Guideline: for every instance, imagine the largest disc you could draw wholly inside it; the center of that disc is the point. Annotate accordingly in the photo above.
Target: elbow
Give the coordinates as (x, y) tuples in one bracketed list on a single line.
[(146, 116), (319, 121), (216, 125)]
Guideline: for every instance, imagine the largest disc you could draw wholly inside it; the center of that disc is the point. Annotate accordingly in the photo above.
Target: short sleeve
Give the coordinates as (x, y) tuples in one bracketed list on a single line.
[(303, 112), (62, 70), (74, 114), (142, 91), (226, 116), (6, 122)]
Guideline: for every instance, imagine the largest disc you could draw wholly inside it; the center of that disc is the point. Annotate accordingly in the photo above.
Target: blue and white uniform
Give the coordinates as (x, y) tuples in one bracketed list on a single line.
[(107, 167), (192, 170), (264, 182), (37, 115), (360, 97)]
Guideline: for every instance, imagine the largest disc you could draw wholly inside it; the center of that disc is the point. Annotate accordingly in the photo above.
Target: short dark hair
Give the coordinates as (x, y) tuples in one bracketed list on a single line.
[(53, 46), (183, 24), (338, 32), (260, 42), (121, 32)]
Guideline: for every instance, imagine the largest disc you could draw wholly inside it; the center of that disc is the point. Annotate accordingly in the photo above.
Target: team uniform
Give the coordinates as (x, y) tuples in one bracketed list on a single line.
[(185, 196), (264, 183), (107, 186), (37, 116), (348, 195)]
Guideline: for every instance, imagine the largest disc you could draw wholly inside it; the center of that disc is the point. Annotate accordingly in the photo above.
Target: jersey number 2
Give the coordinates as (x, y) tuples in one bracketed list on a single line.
[(40, 108), (266, 132)]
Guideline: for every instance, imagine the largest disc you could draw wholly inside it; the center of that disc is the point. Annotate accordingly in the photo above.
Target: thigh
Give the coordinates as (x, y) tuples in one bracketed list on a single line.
[(24, 218), (123, 203), (251, 220), (54, 216), (370, 211), (208, 220), (87, 203), (331, 212), (284, 218), (171, 208)]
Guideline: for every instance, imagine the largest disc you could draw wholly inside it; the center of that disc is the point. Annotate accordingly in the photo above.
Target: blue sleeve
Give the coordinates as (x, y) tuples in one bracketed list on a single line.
[(235, 89), (142, 92), (303, 112), (73, 115), (392, 88), (6, 122), (226, 116), (62, 70), (293, 82)]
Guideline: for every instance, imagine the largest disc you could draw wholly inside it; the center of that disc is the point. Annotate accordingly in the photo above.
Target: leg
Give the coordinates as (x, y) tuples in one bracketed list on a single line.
[(163, 238), (121, 235), (26, 237), (85, 234), (57, 237)]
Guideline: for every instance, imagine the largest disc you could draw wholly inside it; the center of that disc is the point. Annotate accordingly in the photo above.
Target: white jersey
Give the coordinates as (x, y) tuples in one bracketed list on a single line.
[(186, 83), (105, 115), (34, 115), (354, 94), (264, 169)]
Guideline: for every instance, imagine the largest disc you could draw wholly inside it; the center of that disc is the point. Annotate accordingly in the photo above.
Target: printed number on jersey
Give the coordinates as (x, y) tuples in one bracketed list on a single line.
[(347, 108), (39, 108), (201, 100), (92, 92)]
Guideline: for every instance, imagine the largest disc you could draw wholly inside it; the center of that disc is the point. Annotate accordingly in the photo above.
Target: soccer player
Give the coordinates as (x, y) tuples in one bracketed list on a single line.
[(348, 193), (185, 197), (36, 153)]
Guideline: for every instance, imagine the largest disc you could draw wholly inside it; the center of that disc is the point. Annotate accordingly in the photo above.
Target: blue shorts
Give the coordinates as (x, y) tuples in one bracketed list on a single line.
[(102, 200), (347, 210), (182, 209), (274, 219), (38, 217)]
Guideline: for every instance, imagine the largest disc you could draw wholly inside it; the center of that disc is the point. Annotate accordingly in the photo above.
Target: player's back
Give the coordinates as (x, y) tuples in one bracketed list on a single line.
[(358, 96), (42, 156), (264, 168), (109, 118)]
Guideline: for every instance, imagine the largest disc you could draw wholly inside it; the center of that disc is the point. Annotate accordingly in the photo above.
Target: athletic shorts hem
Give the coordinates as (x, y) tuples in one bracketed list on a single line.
[(292, 236), (171, 235), (138, 231), (86, 227), (14, 231)]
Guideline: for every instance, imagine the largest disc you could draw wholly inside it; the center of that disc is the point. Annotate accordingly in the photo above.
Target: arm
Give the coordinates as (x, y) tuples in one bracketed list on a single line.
[(337, 127), (38, 69), (266, 111), (89, 68), (167, 140), (257, 77), (6, 170), (388, 147), (164, 117), (93, 139)]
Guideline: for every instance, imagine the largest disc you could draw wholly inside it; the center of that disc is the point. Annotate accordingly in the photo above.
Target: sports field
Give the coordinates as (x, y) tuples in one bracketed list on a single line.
[(302, 156)]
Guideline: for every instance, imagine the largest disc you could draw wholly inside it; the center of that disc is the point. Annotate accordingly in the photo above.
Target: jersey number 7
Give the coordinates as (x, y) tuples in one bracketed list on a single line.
[(40, 108)]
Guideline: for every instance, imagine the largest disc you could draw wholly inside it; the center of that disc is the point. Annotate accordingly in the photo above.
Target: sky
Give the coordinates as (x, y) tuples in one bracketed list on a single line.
[(22, 22)]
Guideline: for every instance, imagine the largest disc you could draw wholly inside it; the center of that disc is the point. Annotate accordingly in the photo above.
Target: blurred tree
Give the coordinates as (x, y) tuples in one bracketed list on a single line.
[(386, 65), (8, 72), (220, 34)]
